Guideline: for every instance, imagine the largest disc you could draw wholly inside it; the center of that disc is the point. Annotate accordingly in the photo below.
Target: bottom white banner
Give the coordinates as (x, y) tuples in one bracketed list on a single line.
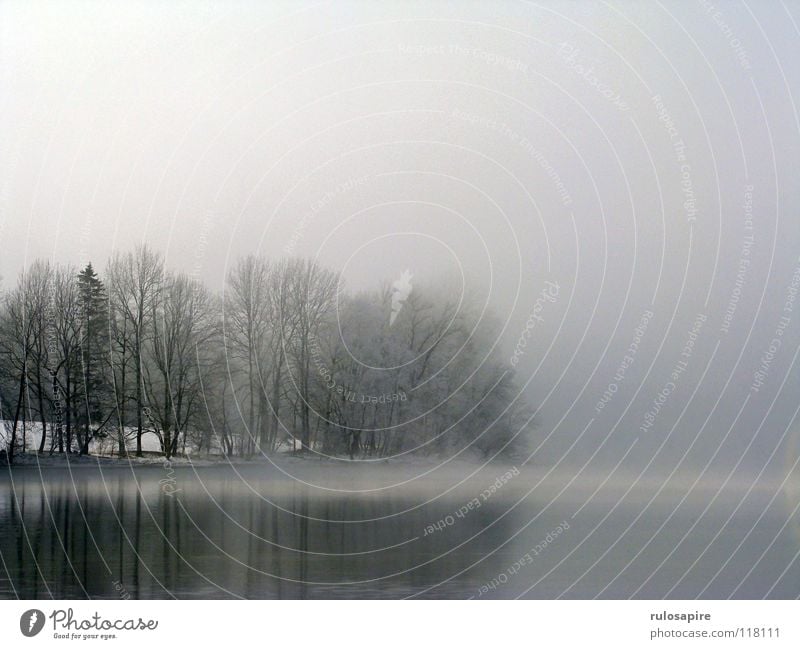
[(399, 624)]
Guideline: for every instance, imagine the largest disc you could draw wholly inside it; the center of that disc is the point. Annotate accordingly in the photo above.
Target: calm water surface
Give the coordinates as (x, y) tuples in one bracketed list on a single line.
[(352, 531)]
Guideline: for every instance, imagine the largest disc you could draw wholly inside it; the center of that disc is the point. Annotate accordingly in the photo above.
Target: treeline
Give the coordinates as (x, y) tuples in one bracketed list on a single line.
[(282, 360)]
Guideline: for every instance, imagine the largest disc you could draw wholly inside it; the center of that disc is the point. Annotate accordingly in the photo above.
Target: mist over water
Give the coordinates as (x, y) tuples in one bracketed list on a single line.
[(382, 531)]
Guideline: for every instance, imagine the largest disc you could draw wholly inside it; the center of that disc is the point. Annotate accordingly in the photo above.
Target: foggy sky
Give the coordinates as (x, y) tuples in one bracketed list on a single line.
[(607, 148)]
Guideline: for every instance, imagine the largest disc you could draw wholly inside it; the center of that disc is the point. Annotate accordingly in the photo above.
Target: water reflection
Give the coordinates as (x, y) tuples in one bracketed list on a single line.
[(120, 534), (253, 533)]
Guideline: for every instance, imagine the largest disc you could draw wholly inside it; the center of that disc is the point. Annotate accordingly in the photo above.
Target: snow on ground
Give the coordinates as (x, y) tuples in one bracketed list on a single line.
[(104, 446)]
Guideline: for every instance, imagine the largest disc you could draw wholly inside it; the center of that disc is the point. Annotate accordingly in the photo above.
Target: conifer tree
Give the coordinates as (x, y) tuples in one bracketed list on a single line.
[(94, 334)]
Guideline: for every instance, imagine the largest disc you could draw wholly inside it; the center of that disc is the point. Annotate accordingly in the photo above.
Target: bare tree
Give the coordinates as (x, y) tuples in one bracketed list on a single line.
[(36, 285), (20, 340), (134, 281), (183, 323), (246, 325), (312, 291), (281, 332), (65, 320)]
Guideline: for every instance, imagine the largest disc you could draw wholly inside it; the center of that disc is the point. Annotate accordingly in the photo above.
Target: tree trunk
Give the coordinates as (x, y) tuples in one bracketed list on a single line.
[(41, 409), (87, 382), (305, 421), (25, 412), (138, 401), (120, 398), (20, 397), (167, 437), (68, 409), (252, 431), (275, 405), (59, 432)]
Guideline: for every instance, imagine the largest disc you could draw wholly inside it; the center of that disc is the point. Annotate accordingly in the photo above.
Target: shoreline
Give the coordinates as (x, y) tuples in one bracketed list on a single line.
[(62, 460)]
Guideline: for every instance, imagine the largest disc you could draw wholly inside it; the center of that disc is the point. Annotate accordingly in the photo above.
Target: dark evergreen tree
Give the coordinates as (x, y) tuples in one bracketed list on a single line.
[(94, 343)]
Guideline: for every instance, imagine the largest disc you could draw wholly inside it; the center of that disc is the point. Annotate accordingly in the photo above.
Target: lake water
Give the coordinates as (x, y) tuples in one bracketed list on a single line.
[(331, 530)]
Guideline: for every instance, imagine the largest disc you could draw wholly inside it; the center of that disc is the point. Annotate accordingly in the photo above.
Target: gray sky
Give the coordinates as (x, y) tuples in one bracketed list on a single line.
[(605, 147)]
